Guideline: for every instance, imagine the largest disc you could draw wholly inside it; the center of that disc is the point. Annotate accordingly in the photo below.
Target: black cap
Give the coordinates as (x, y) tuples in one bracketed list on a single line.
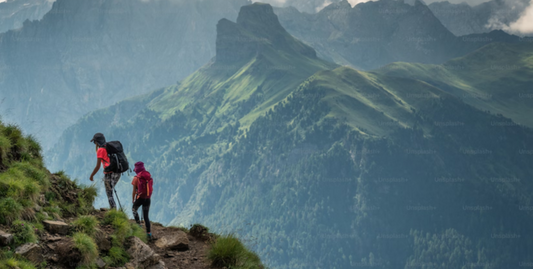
[(99, 138)]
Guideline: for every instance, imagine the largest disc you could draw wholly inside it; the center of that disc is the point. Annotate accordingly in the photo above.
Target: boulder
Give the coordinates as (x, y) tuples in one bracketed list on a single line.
[(31, 251), (159, 265), (67, 254), (176, 241), (56, 227), (138, 250), (5, 238), (103, 242), (151, 261), (100, 263)]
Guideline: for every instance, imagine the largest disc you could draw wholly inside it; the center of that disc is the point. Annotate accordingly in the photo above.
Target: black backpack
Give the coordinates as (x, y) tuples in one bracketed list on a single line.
[(118, 163)]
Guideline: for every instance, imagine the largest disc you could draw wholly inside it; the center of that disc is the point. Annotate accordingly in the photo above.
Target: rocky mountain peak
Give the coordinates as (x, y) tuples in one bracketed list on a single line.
[(257, 28)]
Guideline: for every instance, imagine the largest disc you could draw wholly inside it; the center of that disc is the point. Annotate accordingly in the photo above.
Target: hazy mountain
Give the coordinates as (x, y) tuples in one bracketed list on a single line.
[(85, 55), (14, 12), (464, 19), (500, 83), (373, 34), (307, 6), (320, 166)]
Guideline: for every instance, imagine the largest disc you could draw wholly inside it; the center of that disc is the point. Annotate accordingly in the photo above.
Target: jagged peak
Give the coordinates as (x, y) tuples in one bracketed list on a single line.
[(256, 29)]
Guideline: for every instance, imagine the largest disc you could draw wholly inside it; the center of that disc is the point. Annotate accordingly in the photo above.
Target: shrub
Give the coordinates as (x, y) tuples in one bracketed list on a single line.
[(5, 148), (116, 257), (86, 224), (139, 232), (13, 263), (87, 247), (228, 251), (11, 210), (23, 232), (34, 172)]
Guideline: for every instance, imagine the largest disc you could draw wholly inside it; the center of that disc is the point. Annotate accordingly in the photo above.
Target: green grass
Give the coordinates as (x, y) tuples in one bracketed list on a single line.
[(123, 228), (87, 247), (116, 257), (13, 263), (23, 232), (228, 251), (86, 224), (11, 210)]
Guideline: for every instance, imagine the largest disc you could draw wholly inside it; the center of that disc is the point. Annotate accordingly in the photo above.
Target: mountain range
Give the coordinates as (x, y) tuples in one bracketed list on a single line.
[(373, 34), (13, 13), (95, 53), (85, 55), (463, 19), (323, 166)]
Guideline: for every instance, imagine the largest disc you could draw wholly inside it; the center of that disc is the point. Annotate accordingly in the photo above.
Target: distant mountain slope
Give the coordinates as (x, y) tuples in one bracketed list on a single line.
[(85, 55), (321, 166), (373, 34), (495, 78), (463, 19), (14, 12)]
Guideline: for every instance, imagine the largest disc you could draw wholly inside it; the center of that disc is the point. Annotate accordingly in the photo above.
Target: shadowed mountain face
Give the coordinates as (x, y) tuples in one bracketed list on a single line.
[(85, 55), (14, 12), (322, 166), (373, 34), (463, 19)]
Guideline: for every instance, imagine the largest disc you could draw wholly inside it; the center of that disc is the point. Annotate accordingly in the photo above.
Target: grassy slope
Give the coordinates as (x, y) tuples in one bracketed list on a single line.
[(373, 103), (496, 78)]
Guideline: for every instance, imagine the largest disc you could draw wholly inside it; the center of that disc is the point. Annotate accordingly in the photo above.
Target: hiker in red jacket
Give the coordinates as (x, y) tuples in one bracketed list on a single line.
[(142, 192), (102, 158)]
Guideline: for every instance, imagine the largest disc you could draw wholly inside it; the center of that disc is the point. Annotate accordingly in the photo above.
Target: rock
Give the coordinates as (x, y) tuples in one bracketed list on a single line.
[(176, 241), (51, 246), (100, 263), (56, 227), (53, 238), (45, 214), (30, 251), (129, 266), (103, 242), (154, 260), (5, 238), (169, 255), (138, 250), (67, 253), (159, 265), (37, 208)]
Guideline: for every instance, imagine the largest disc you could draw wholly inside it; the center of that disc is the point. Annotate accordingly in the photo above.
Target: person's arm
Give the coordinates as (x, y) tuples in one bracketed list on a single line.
[(97, 168), (134, 192)]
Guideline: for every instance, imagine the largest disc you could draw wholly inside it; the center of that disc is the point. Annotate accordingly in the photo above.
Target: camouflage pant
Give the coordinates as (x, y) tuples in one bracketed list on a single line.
[(110, 180)]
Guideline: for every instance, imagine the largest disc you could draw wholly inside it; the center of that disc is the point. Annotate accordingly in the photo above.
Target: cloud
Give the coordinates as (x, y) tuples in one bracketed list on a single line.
[(325, 4), (355, 2), (524, 24), (514, 17)]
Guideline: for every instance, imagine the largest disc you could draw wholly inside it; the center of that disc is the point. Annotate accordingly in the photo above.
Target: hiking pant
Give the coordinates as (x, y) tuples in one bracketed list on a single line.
[(145, 203), (110, 180)]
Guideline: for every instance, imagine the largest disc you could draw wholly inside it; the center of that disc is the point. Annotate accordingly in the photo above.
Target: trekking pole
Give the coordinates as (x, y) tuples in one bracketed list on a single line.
[(121, 209)]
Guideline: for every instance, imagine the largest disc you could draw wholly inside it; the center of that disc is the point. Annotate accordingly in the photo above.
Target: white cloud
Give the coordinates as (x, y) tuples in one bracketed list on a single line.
[(325, 4), (355, 2), (524, 24)]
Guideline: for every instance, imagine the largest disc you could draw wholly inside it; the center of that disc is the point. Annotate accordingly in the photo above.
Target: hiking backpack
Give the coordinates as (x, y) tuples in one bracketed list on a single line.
[(118, 163), (145, 185)]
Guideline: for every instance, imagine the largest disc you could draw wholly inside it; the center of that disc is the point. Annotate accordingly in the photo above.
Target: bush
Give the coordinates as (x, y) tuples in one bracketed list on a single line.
[(228, 251), (11, 210), (87, 247), (116, 257), (23, 232), (86, 224), (13, 263)]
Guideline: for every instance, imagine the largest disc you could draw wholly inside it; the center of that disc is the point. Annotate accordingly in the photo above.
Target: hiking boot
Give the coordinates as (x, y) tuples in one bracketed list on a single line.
[(150, 238)]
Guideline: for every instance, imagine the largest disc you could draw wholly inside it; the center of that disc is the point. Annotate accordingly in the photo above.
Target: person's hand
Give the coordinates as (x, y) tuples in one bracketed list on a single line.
[(92, 179)]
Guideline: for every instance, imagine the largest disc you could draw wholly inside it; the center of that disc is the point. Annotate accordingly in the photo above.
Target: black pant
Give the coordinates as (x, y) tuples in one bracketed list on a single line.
[(145, 203)]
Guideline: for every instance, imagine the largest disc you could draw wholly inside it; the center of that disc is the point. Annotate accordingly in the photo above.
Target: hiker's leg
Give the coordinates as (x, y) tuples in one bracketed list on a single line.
[(108, 182), (146, 210), (135, 208)]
